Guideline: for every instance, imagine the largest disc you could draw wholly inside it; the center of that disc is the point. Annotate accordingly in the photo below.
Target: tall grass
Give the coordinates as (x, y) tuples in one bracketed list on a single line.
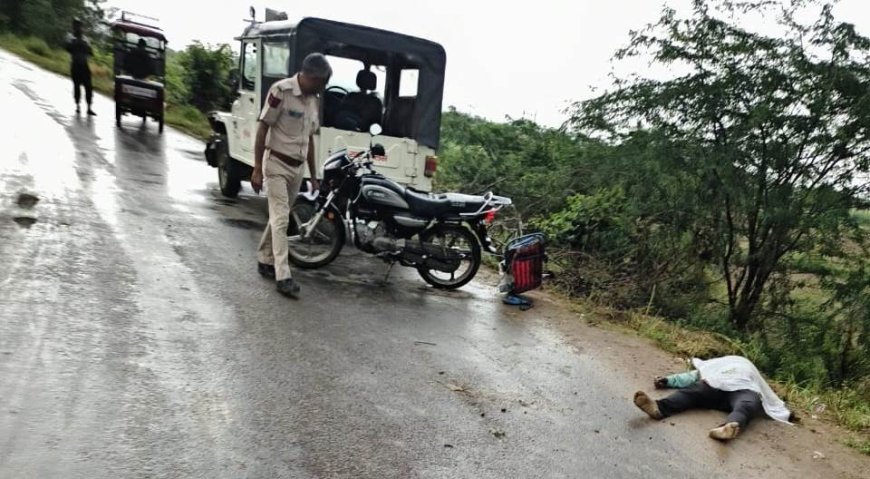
[(862, 217)]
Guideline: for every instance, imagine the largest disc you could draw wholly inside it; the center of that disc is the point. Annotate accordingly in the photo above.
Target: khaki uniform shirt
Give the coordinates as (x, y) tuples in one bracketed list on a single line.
[(292, 118)]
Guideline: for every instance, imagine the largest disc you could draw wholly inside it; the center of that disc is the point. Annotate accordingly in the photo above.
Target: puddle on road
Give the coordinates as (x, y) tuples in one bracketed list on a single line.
[(245, 224), (138, 213), (26, 200), (348, 277), (194, 155), (443, 293), (24, 221), (143, 181)]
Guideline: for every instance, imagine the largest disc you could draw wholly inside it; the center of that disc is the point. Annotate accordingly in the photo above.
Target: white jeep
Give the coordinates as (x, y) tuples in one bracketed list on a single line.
[(379, 77)]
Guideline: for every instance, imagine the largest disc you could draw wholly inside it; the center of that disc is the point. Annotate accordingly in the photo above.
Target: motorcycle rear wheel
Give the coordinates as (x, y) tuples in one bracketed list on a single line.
[(456, 239), (325, 242)]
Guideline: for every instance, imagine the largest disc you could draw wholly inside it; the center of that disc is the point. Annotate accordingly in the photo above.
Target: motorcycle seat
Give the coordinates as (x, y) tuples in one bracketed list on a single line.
[(437, 205)]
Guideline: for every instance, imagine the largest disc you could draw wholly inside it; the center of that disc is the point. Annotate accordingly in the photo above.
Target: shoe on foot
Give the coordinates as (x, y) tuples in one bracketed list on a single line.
[(647, 405), (725, 432), (91, 112), (78, 109), (289, 288), (266, 270)]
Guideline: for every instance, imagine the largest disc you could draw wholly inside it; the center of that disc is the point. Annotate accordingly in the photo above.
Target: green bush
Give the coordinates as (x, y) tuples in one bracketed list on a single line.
[(37, 46), (808, 263), (49, 20), (203, 71)]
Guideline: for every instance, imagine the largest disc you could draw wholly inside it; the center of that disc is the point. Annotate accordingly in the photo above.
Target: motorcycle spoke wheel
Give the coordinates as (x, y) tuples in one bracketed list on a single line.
[(453, 241), (322, 245)]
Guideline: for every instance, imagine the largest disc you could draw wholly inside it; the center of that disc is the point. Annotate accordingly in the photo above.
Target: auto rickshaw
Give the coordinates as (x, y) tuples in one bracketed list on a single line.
[(139, 68)]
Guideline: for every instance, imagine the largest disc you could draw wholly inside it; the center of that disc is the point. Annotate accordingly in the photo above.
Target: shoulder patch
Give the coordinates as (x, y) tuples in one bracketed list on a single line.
[(273, 100)]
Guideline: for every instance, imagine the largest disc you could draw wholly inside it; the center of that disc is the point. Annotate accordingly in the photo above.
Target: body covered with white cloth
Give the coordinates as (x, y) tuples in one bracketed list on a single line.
[(731, 384)]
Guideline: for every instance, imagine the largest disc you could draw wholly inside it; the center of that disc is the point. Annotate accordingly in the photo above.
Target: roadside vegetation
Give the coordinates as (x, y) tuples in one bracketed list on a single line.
[(198, 68), (722, 209)]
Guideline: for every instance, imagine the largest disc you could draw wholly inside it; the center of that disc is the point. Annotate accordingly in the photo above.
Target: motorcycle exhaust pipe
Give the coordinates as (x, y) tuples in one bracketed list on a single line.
[(429, 255), (382, 243), (403, 246)]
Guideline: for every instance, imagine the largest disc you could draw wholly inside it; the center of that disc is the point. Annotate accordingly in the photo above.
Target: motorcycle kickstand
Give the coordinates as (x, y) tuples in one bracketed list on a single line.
[(389, 270)]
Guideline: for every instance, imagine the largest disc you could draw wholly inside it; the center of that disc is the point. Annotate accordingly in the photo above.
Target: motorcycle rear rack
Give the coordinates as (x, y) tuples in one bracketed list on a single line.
[(491, 202)]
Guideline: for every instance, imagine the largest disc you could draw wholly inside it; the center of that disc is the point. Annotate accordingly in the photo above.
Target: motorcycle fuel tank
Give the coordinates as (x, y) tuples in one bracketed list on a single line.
[(380, 195)]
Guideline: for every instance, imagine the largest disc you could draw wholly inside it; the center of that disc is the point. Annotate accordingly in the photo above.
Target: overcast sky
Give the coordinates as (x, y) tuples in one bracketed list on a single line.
[(501, 60)]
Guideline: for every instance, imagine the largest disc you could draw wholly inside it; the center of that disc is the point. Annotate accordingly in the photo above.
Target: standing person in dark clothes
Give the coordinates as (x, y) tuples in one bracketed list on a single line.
[(80, 52)]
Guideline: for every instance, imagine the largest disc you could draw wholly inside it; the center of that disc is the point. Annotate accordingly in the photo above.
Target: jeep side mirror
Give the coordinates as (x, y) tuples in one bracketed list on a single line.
[(233, 80), (375, 129)]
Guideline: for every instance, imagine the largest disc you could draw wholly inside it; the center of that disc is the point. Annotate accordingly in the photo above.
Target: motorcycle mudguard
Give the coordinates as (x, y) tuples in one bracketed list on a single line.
[(307, 193), (304, 197), (479, 229)]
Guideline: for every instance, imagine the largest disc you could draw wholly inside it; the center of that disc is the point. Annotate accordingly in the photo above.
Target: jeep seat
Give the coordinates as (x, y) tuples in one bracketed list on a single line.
[(361, 109)]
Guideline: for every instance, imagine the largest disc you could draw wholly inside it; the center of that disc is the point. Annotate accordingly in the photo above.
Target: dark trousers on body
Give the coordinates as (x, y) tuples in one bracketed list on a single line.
[(81, 77), (741, 406)]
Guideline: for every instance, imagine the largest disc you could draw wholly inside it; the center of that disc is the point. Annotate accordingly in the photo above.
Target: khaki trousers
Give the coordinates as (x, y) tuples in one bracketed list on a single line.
[(282, 183)]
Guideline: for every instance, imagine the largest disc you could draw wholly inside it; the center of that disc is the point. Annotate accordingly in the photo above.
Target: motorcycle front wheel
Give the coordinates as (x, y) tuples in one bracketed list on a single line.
[(323, 244), (452, 240)]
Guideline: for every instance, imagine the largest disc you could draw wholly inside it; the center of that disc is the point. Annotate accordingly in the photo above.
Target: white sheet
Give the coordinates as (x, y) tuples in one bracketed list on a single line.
[(735, 373)]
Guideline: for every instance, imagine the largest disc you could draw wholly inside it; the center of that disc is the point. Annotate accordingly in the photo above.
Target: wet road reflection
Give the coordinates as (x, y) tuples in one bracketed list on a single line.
[(137, 339)]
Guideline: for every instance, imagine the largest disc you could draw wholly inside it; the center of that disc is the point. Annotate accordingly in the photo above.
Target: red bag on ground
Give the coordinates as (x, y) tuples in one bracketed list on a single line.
[(524, 262)]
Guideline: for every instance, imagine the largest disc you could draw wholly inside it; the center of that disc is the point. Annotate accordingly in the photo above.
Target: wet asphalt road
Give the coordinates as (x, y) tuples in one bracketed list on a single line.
[(137, 340)]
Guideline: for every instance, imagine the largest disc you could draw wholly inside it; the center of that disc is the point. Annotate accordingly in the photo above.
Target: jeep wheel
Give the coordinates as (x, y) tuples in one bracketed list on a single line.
[(228, 172)]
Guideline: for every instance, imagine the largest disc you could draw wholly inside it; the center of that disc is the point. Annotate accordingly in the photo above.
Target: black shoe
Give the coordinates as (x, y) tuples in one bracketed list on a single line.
[(288, 288), (266, 270), (91, 112), (78, 109)]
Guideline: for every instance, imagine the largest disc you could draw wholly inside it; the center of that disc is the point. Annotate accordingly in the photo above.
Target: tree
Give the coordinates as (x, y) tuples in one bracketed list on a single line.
[(49, 20), (537, 167), (205, 72), (848, 331), (773, 129)]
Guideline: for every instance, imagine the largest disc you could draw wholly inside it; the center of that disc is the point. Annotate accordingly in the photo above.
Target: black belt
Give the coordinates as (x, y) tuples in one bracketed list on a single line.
[(289, 161)]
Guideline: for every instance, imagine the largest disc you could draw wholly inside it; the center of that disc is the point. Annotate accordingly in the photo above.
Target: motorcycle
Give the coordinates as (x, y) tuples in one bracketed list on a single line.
[(441, 235)]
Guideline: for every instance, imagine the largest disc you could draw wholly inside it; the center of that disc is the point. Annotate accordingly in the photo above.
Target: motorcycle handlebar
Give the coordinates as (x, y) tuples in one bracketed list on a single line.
[(356, 160)]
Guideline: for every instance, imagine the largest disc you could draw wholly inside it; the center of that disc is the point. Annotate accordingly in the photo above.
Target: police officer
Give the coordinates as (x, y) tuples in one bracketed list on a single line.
[(80, 51), (283, 146)]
